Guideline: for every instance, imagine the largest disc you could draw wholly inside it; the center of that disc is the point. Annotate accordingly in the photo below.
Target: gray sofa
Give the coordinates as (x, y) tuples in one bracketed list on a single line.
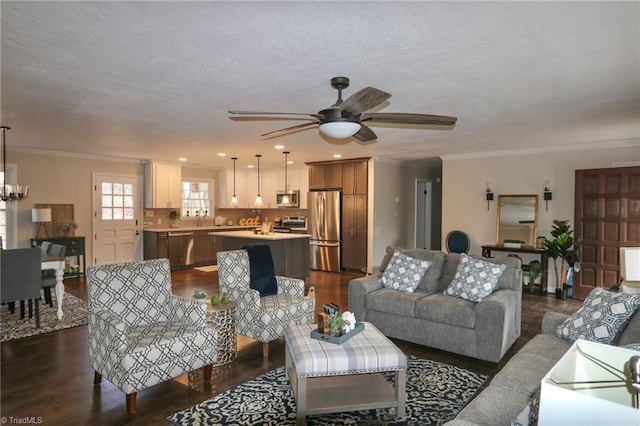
[(484, 330), (511, 389)]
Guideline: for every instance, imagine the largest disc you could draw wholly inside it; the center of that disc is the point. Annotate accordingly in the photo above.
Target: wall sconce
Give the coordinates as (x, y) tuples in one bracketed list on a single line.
[(547, 195), (489, 194), (234, 199), (258, 197), (41, 217)]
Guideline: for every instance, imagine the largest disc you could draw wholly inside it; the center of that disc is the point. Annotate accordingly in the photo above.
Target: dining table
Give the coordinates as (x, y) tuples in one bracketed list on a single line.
[(56, 263)]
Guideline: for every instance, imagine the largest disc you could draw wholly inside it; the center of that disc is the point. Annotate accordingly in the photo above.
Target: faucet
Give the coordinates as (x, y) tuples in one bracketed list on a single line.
[(200, 215)]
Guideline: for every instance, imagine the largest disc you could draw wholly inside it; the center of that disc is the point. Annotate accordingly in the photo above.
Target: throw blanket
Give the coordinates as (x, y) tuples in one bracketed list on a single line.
[(261, 271)]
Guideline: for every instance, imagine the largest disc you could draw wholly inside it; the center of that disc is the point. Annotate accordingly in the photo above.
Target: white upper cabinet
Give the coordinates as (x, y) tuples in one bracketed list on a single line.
[(162, 186), (271, 181)]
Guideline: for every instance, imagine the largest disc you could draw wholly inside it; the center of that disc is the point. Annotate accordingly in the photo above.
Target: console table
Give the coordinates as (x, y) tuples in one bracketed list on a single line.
[(75, 247), (487, 250)]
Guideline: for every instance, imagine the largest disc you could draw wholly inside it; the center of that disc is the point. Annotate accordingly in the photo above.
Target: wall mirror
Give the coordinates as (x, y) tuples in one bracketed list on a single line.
[(517, 219)]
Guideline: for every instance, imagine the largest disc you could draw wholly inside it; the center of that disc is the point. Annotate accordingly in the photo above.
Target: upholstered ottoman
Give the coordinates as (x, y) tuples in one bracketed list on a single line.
[(332, 378)]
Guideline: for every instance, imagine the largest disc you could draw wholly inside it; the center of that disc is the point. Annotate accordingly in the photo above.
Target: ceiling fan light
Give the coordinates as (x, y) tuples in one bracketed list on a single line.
[(340, 129)]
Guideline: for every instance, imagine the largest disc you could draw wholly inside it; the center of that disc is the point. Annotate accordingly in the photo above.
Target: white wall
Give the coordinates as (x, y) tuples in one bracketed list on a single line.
[(56, 179), (464, 206)]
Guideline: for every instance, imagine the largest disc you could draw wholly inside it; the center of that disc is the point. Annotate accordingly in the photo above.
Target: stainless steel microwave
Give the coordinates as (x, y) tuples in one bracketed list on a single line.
[(294, 199)]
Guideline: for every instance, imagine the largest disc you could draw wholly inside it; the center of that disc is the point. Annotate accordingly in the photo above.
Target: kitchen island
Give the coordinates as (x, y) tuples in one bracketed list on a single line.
[(290, 252)]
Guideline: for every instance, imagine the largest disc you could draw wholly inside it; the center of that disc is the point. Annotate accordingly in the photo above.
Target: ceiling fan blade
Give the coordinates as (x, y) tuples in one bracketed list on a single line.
[(363, 100), (288, 129), (409, 118), (365, 134), (272, 113)]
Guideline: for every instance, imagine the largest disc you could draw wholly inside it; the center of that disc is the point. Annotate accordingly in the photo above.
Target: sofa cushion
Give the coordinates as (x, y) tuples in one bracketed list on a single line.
[(446, 310), (493, 406), (631, 332), (404, 273), (392, 301), (601, 317), (475, 279), (431, 278), (529, 414)]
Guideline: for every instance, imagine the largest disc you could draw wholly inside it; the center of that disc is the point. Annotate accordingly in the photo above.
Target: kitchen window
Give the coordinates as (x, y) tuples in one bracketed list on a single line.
[(196, 198)]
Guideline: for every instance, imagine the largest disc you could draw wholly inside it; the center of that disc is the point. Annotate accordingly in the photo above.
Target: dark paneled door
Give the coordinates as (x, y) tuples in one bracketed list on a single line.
[(607, 217)]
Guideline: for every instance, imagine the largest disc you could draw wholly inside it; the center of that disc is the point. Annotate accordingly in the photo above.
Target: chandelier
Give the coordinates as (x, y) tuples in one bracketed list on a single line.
[(8, 192)]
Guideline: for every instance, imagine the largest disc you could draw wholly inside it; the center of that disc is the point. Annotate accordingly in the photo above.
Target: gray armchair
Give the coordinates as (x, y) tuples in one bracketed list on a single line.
[(20, 277)]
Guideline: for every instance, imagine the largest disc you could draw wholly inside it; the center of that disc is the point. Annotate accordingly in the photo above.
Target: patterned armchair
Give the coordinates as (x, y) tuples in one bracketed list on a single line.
[(140, 334), (262, 318)]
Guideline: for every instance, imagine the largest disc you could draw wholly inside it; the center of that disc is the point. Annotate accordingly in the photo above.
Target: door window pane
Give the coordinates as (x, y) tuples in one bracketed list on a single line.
[(117, 201)]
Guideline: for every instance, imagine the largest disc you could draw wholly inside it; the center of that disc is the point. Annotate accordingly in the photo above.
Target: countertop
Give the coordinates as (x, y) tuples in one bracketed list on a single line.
[(198, 228), (250, 234)]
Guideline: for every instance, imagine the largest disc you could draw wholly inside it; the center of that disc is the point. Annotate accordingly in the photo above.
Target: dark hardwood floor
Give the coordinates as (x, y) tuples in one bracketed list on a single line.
[(48, 377)]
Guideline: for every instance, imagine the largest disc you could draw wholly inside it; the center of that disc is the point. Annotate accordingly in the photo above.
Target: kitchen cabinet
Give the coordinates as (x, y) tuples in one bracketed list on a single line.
[(226, 188), (354, 231), (162, 186), (350, 176), (217, 244), (155, 245), (202, 249), (354, 177), (325, 176), (269, 187)]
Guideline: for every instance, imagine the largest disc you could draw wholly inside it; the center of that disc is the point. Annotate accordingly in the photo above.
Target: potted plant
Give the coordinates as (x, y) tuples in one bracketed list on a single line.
[(68, 228), (561, 250), (535, 272), (337, 324), (174, 217)]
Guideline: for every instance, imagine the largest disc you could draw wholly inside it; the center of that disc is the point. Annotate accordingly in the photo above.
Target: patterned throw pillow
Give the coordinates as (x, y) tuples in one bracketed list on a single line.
[(475, 279), (601, 317), (404, 273)]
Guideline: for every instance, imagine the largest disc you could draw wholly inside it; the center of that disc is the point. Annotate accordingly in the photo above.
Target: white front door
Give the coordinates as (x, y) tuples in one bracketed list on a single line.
[(117, 214)]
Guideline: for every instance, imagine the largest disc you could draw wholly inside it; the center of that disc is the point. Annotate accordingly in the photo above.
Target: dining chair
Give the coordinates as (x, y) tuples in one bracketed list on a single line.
[(457, 242), (48, 276), (20, 277)]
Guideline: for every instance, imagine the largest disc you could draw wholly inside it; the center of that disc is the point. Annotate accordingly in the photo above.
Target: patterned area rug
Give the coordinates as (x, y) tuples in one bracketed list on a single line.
[(436, 392), (12, 327)]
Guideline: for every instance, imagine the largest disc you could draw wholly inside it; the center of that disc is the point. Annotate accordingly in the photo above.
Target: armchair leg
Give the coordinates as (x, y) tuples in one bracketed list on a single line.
[(265, 349), (131, 402), (207, 370), (97, 378)]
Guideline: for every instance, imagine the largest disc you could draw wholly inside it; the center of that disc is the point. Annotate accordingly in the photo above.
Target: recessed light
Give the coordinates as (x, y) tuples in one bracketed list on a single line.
[(279, 147), (250, 166), (222, 154), (182, 159), (337, 155)]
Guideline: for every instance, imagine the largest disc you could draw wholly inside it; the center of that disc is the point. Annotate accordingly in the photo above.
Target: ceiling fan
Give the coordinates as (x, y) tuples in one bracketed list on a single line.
[(346, 118)]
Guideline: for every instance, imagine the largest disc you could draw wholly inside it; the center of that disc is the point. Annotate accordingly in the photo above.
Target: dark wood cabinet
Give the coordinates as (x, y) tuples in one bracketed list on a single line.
[(325, 176), (217, 244), (354, 232), (202, 249), (75, 248), (354, 178)]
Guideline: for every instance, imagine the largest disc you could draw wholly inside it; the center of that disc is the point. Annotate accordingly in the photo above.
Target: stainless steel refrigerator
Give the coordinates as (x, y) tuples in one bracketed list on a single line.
[(324, 226)]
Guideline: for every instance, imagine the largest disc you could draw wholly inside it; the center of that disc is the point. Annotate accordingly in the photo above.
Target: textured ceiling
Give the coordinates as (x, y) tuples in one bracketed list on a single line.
[(154, 80)]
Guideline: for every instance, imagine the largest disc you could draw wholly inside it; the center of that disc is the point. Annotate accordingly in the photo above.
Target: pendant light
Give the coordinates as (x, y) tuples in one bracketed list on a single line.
[(10, 192), (234, 199), (285, 198), (258, 197)]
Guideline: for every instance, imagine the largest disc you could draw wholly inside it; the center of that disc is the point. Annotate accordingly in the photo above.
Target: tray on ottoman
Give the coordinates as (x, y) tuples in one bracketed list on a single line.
[(315, 334)]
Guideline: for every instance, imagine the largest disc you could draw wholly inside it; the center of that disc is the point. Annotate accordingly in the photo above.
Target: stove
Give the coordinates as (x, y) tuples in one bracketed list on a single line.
[(285, 224)]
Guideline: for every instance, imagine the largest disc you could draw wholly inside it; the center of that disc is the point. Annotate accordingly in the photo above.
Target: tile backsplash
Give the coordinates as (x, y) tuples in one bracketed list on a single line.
[(159, 218)]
